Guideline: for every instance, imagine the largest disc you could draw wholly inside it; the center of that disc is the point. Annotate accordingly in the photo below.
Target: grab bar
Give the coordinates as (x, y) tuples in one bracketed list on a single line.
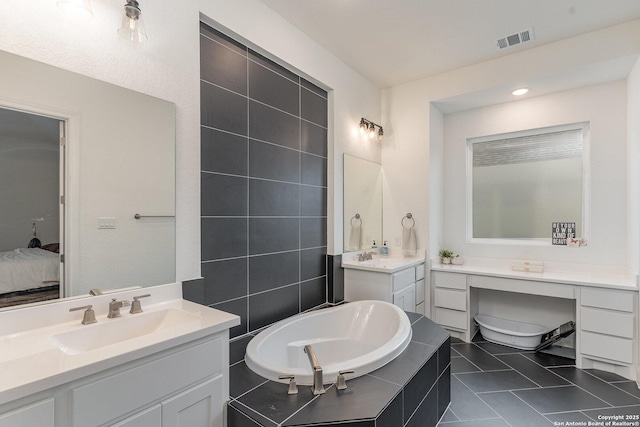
[(138, 216), (318, 386)]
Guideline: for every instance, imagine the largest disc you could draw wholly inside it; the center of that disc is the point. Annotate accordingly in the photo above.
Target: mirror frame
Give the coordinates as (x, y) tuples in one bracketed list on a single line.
[(586, 185)]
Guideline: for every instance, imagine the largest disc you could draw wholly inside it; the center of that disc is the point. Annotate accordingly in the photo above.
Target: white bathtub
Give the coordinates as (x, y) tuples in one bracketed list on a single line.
[(361, 336)]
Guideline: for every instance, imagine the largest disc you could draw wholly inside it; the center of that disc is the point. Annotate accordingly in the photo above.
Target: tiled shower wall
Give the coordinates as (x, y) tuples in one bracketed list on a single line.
[(263, 186)]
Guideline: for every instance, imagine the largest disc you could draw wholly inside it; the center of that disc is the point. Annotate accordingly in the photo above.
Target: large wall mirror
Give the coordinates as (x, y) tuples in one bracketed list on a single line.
[(362, 203), (79, 158), (520, 183)]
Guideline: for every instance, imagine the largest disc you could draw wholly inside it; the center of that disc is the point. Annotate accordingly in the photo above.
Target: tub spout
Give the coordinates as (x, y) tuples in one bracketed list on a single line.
[(318, 386)]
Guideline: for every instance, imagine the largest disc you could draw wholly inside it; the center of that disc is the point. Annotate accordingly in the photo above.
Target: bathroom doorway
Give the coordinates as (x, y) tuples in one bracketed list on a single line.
[(32, 163)]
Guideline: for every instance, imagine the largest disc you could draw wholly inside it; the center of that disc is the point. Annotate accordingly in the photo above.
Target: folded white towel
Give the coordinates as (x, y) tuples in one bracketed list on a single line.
[(409, 244), (355, 238)]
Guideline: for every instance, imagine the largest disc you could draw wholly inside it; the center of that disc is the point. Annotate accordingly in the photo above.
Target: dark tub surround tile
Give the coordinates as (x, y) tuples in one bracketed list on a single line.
[(514, 410), (244, 380), (269, 161), (239, 308), (271, 88), (495, 381), (313, 293), (313, 232), (313, 170), (224, 280), (406, 392), (313, 263), (479, 357), (269, 198), (223, 39), (413, 317), (313, 107), (238, 415), (271, 125), (423, 331), (224, 152), (222, 65), (313, 139), (560, 399), (268, 235), (444, 356), (223, 238), (313, 201), (335, 279), (599, 388), (273, 271), (273, 66), (237, 349), (269, 307), (539, 375), (223, 109), (232, 189), (193, 290)]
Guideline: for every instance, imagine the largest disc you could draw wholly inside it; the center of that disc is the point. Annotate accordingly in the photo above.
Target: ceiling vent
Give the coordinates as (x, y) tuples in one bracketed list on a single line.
[(520, 37)]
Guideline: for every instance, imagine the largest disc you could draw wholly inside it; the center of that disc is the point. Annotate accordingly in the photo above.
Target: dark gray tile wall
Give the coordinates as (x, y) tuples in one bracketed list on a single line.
[(263, 187)]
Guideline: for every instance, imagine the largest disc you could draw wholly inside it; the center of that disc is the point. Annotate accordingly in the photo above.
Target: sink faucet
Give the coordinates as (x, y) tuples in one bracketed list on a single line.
[(115, 306), (318, 386), (365, 256), (95, 291)]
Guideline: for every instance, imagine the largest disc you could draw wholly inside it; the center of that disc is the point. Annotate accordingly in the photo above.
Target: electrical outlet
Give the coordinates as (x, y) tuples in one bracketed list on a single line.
[(398, 241)]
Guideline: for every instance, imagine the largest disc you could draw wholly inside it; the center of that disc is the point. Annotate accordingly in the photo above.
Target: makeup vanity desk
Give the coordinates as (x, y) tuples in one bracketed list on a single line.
[(604, 308)]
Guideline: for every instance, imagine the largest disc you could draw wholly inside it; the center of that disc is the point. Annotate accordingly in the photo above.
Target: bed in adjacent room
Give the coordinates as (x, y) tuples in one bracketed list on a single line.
[(28, 275)]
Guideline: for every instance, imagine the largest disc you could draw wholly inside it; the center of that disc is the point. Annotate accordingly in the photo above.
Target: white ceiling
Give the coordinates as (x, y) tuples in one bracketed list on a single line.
[(391, 42)]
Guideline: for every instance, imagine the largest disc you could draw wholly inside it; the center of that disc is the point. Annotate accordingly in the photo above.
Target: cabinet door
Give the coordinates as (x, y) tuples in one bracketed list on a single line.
[(200, 406), (406, 298), (38, 414), (150, 417)]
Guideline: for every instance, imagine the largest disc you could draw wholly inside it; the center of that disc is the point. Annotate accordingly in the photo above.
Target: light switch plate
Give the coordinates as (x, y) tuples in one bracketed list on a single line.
[(106, 223)]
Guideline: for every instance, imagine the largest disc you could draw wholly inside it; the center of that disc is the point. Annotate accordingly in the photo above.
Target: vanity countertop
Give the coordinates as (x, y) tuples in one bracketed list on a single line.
[(380, 263), (587, 278), (32, 361)]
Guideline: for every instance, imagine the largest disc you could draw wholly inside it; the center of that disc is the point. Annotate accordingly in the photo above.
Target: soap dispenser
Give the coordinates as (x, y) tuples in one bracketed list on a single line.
[(384, 250), (374, 246)]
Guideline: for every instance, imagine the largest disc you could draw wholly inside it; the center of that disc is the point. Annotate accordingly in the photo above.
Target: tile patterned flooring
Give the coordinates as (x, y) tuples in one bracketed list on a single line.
[(494, 386)]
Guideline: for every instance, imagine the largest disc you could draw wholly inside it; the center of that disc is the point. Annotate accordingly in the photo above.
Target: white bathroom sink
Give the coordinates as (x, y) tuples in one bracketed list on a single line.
[(129, 326)]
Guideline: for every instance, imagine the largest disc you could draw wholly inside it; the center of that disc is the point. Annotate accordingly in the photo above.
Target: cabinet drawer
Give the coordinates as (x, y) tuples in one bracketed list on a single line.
[(136, 387), (451, 318), (403, 278), (39, 414), (614, 300), (450, 280), (420, 272), (606, 347), (455, 300), (607, 322)]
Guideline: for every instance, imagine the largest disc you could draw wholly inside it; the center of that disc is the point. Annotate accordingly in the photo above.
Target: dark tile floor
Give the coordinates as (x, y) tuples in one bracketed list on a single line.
[(494, 385)]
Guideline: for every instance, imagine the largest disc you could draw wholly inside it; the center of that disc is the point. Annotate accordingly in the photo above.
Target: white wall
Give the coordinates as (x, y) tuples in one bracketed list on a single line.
[(167, 66), (411, 143), (604, 106)]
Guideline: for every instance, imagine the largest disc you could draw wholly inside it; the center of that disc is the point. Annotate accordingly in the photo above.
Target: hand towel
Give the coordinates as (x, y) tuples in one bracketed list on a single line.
[(409, 244), (355, 237)]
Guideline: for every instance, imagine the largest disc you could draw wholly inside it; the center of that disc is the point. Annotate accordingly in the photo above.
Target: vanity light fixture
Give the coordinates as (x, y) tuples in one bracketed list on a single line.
[(79, 8), (132, 27), (520, 92), (367, 127)]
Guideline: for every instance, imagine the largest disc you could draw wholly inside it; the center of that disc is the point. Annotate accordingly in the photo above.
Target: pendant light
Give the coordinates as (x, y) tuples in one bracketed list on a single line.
[(132, 27)]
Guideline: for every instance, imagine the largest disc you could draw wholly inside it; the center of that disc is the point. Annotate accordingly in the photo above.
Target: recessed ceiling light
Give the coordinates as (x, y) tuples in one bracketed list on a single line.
[(519, 92)]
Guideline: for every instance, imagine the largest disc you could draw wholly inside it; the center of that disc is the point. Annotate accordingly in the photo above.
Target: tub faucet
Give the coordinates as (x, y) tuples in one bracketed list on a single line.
[(318, 386)]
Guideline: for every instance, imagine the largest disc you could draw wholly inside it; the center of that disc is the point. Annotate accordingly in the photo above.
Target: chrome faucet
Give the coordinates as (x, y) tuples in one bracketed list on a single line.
[(94, 292), (115, 306), (318, 386), (366, 256)]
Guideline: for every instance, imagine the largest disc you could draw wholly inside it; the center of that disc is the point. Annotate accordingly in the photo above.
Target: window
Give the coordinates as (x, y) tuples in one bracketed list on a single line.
[(520, 183)]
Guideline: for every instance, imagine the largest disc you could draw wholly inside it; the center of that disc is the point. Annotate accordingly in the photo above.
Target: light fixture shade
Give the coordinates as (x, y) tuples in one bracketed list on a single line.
[(132, 27), (372, 131), (363, 126), (79, 8)]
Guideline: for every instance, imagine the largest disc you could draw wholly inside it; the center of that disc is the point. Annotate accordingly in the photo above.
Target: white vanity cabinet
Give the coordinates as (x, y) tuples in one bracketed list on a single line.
[(399, 287), (185, 386), (39, 414)]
